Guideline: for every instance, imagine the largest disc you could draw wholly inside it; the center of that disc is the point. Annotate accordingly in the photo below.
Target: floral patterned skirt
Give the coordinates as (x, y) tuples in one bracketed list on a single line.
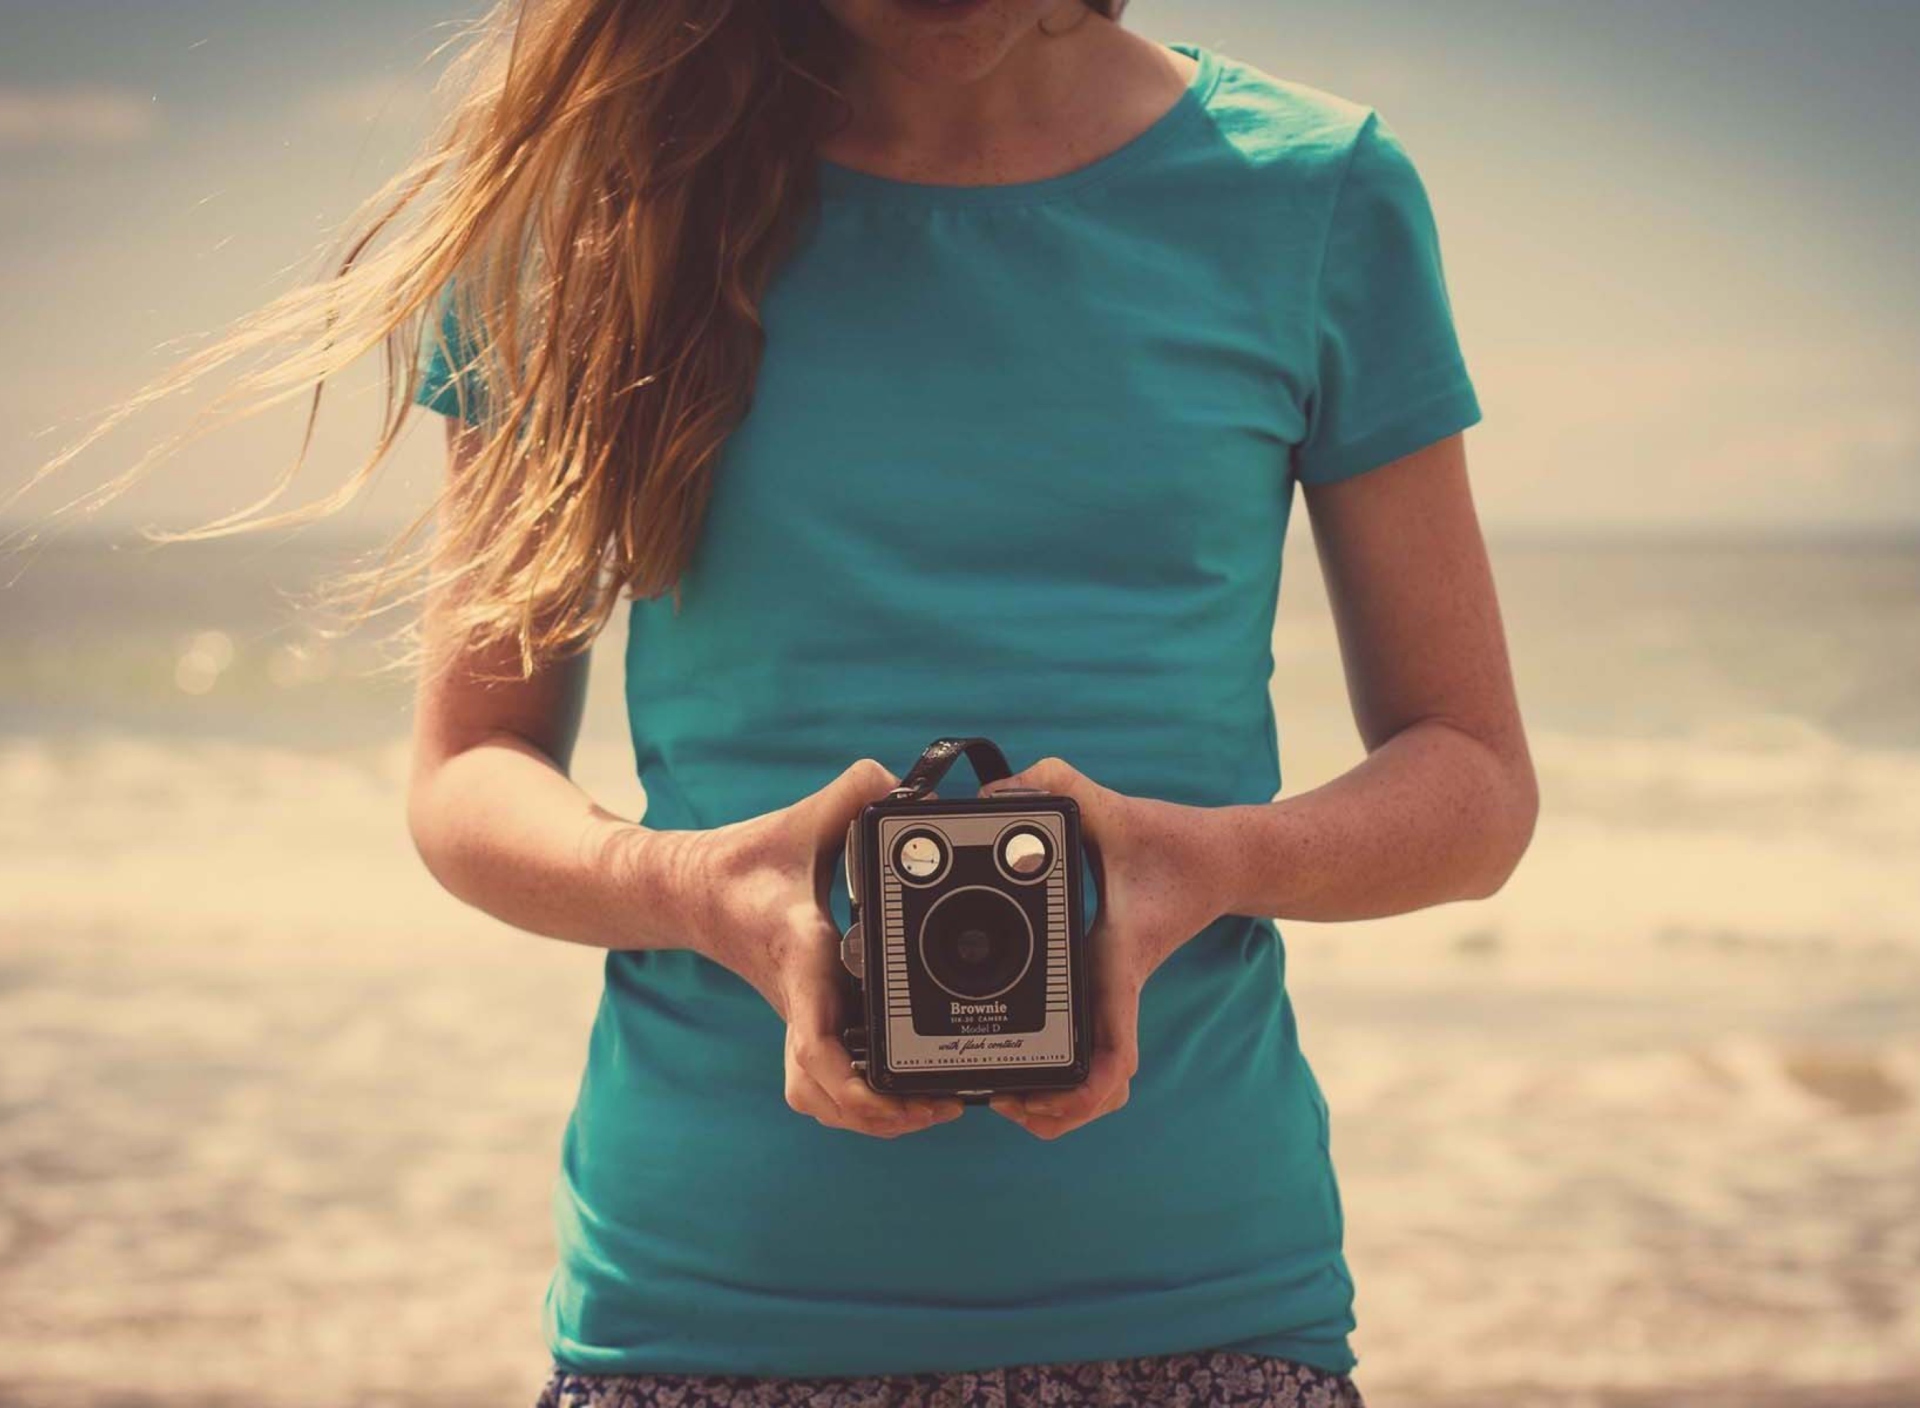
[(1208, 1378)]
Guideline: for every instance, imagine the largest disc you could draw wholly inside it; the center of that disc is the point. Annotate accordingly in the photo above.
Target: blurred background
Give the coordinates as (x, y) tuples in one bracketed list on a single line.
[(278, 1118)]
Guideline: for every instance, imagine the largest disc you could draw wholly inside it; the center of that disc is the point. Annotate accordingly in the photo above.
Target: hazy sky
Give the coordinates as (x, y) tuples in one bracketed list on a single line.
[(1680, 235)]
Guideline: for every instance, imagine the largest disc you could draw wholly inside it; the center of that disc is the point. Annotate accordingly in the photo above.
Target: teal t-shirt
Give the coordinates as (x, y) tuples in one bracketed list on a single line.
[(1019, 462)]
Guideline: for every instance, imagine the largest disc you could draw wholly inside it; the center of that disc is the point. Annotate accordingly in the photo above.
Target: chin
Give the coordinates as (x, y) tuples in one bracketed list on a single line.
[(951, 43)]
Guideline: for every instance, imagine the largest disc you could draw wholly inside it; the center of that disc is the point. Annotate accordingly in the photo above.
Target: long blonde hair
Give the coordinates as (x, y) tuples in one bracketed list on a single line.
[(597, 215)]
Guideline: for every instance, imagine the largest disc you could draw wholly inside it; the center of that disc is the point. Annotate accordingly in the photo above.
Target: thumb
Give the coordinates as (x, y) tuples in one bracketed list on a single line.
[(861, 781), (825, 815), (1033, 775), (1050, 774)]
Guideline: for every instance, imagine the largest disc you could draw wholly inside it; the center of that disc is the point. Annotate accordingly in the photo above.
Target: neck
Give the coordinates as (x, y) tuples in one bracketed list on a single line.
[(1047, 93)]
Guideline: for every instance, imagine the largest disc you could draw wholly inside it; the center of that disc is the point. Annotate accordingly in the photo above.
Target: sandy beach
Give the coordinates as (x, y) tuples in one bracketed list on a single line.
[(278, 1118)]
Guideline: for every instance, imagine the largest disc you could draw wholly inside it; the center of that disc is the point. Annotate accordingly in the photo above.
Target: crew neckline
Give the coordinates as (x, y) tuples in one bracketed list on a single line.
[(838, 180)]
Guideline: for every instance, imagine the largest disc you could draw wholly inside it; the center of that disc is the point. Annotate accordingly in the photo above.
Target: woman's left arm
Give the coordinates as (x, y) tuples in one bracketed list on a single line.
[(1443, 806)]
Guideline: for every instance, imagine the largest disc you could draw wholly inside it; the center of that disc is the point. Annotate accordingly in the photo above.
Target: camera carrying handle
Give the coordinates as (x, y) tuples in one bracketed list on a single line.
[(983, 754)]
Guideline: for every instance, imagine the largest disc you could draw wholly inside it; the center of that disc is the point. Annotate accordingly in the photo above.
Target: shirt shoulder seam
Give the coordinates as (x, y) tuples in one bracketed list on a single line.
[(1333, 215)]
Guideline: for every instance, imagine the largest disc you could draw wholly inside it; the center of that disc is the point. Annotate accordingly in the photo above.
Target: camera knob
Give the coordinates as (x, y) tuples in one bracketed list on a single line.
[(855, 1040), (853, 951)]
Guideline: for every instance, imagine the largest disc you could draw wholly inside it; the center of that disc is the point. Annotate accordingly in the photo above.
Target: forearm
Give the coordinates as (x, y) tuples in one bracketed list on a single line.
[(504, 829), (1431, 815)]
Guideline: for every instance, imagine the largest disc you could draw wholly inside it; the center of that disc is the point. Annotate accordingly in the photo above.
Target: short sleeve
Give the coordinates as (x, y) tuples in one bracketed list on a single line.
[(1389, 377), (449, 382)]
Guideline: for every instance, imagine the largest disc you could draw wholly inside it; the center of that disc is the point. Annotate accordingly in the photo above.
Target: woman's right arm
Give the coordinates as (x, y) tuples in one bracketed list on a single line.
[(500, 823), (502, 826)]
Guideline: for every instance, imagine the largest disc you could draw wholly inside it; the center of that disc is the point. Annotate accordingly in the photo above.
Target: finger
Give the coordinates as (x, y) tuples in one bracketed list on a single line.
[(1108, 1085), (830, 811), (1080, 1103), (853, 1092), (1048, 1126), (861, 781), (1056, 775), (806, 1096), (1042, 1126), (820, 1057), (825, 1106), (1110, 1075), (827, 1061), (1049, 774), (821, 1054), (1112, 1079), (1053, 1113)]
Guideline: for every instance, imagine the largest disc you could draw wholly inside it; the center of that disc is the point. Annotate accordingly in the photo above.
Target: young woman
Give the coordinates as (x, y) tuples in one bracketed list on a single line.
[(927, 367)]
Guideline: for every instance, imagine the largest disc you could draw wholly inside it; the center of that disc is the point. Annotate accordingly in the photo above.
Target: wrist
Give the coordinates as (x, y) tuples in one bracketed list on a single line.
[(1210, 850), (660, 889), (1197, 851), (1253, 858)]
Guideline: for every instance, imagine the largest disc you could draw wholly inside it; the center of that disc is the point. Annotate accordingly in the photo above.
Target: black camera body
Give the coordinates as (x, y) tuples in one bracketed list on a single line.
[(966, 955)]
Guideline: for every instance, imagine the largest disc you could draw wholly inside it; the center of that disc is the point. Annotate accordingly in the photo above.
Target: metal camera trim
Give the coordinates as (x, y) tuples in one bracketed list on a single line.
[(866, 1011), (940, 839), (1013, 828)]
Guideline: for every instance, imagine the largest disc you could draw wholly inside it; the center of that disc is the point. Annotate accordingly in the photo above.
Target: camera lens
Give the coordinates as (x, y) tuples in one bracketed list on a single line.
[(976, 942)]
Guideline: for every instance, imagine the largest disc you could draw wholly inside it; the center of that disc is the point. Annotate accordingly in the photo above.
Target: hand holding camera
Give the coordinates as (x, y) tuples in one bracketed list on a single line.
[(972, 975), (965, 961), (966, 977), (763, 913), (1158, 883)]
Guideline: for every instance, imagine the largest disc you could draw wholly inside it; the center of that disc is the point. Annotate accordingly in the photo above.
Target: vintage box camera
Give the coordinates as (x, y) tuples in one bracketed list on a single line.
[(966, 954)]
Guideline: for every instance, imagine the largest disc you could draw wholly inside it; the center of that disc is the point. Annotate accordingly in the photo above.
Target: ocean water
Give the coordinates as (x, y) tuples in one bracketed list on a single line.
[(278, 1118)]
